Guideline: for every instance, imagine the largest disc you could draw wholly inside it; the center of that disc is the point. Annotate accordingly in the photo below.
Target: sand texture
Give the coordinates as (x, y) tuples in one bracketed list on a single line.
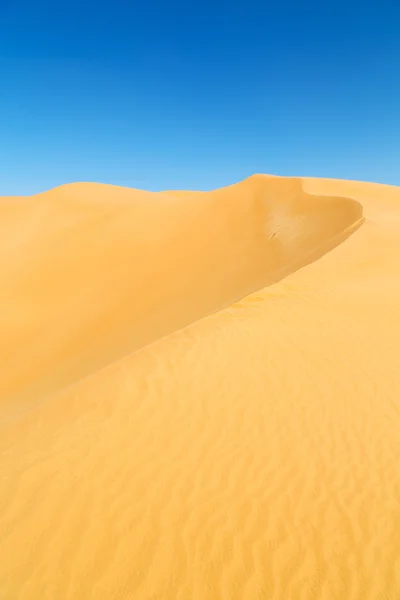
[(200, 393)]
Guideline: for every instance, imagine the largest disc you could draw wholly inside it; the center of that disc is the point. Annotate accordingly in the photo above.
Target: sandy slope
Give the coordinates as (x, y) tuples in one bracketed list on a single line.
[(253, 454)]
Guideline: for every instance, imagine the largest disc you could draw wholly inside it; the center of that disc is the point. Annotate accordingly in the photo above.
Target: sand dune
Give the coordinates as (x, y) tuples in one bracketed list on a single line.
[(149, 451), (93, 272)]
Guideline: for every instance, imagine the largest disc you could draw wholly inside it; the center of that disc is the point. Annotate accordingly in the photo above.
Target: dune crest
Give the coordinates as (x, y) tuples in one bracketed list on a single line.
[(93, 272)]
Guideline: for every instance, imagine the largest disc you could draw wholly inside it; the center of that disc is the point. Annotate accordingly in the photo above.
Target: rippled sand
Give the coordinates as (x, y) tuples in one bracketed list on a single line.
[(200, 393)]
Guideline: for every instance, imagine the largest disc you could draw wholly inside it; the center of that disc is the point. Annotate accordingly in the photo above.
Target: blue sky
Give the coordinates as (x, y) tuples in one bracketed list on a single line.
[(163, 95)]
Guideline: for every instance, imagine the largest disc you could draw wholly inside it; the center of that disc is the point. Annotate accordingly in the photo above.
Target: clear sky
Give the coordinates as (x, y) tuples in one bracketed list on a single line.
[(161, 95)]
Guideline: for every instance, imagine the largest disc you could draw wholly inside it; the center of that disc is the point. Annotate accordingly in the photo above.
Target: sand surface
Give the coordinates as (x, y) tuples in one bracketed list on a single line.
[(200, 393)]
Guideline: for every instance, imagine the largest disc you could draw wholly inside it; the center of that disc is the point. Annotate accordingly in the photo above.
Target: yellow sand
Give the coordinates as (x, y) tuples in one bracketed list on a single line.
[(149, 451)]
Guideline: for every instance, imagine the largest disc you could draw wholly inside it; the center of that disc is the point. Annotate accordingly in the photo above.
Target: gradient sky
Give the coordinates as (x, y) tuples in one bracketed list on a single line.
[(196, 96)]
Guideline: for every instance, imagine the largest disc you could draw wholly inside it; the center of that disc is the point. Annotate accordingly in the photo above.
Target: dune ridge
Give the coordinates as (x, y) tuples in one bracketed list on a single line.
[(124, 267), (252, 454)]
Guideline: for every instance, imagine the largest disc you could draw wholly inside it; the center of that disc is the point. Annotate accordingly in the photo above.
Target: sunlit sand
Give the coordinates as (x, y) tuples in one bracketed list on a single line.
[(200, 393)]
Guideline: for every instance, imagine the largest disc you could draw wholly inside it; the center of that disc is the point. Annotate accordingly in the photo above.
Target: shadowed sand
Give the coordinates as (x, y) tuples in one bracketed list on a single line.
[(252, 454)]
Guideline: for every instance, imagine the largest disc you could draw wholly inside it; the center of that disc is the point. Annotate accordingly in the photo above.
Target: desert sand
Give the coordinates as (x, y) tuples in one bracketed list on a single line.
[(200, 393)]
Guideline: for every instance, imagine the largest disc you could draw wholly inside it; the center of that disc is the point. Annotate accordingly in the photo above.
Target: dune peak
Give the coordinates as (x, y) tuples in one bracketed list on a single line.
[(106, 271)]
